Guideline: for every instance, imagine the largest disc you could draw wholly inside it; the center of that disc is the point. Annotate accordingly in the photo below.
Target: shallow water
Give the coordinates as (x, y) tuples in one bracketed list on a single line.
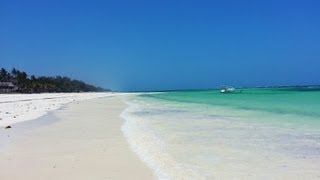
[(255, 134)]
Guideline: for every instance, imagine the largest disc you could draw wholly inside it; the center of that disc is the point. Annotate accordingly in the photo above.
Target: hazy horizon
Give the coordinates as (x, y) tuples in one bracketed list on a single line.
[(167, 45)]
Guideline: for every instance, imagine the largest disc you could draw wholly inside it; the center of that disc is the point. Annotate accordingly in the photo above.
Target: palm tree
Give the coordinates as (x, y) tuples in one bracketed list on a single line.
[(44, 84), (14, 72), (4, 76)]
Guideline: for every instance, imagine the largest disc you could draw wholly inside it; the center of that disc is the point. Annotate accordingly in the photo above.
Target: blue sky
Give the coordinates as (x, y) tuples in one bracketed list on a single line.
[(154, 45)]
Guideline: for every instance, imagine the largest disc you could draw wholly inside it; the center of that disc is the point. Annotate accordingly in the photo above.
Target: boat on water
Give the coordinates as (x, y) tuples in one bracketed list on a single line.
[(227, 89)]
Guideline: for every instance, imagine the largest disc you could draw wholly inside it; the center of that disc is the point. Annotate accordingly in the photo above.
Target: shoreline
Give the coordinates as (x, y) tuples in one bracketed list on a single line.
[(66, 144)]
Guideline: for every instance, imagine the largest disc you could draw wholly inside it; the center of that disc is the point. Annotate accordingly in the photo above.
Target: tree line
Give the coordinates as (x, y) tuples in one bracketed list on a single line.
[(41, 84)]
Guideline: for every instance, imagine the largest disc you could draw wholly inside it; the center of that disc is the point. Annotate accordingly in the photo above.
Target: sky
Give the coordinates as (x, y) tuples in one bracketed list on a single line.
[(164, 45)]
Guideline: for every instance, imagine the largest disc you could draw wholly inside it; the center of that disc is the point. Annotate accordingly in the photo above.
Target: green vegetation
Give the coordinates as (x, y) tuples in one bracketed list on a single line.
[(31, 84)]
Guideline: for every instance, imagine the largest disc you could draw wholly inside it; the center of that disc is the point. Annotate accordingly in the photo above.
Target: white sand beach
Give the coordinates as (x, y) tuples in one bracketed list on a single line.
[(81, 141), (16, 108)]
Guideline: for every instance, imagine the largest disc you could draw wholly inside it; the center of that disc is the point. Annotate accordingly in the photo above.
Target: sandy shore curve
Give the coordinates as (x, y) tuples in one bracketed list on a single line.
[(82, 141)]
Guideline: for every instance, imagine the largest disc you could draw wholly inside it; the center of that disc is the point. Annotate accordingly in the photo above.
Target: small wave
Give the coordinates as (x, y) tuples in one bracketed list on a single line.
[(199, 141), (149, 147)]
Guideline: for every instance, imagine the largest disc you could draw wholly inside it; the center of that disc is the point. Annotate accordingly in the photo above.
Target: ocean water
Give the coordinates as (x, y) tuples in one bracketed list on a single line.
[(252, 134)]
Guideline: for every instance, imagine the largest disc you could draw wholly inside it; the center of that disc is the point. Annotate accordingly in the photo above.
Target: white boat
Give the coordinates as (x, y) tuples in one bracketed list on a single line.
[(227, 89)]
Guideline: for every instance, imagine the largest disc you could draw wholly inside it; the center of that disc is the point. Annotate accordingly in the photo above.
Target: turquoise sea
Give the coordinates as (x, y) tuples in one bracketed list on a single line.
[(250, 134)]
